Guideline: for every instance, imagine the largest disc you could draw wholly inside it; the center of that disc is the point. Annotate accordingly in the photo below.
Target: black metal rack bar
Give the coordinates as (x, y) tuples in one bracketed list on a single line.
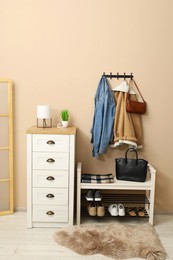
[(118, 75), (121, 198), (84, 213)]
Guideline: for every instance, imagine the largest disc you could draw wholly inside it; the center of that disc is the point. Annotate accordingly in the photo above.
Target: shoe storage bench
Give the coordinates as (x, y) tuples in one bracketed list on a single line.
[(130, 194)]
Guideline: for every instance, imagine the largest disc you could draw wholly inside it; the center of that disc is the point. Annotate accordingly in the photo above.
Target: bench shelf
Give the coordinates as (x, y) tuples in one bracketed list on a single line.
[(130, 194)]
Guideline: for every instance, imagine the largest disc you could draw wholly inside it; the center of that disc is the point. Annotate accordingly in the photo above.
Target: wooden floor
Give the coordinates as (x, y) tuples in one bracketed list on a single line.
[(19, 243)]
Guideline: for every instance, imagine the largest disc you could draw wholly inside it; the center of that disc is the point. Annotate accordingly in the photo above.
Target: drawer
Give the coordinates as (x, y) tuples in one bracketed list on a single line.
[(47, 178), (51, 143), (50, 161), (46, 213), (50, 196)]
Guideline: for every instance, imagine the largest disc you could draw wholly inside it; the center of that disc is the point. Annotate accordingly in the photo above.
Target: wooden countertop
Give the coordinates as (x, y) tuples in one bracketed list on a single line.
[(71, 130)]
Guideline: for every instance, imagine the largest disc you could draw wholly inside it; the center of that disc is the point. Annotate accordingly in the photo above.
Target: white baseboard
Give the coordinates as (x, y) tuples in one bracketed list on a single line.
[(158, 212), (20, 209)]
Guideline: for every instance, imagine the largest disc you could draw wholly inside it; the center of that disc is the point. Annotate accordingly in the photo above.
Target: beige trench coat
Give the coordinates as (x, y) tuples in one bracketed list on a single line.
[(127, 126)]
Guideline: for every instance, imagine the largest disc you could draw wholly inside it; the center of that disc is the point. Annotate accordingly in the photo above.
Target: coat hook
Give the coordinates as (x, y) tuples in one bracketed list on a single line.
[(117, 75), (131, 76), (110, 75), (124, 75), (103, 73)]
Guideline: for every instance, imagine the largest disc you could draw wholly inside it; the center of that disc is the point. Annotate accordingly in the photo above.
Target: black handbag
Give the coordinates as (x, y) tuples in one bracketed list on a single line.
[(131, 169)]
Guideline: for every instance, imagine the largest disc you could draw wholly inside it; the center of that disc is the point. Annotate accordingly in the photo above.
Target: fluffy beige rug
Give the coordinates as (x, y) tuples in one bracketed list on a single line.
[(118, 241)]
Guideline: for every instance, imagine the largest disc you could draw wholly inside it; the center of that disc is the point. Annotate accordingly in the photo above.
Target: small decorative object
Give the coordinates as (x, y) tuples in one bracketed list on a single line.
[(64, 117), (44, 119), (131, 169)]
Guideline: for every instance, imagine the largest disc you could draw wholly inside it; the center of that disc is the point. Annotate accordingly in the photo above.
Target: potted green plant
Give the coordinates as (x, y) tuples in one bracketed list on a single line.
[(65, 117)]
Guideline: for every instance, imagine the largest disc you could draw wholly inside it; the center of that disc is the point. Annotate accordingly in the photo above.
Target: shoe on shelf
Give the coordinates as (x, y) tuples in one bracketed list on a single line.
[(113, 210), (121, 210), (131, 212), (141, 211), (100, 210), (92, 210), (97, 196), (90, 195)]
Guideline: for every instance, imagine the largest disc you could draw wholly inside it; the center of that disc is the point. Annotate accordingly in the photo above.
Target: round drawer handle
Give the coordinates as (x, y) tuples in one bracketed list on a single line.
[(50, 213), (50, 160), (50, 195), (50, 178), (50, 142)]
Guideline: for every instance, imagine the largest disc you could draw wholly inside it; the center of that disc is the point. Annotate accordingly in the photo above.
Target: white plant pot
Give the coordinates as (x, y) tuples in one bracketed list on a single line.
[(64, 124)]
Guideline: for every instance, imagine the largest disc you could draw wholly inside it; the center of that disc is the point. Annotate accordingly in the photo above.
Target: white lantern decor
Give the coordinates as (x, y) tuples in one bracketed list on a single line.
[(44, 119)]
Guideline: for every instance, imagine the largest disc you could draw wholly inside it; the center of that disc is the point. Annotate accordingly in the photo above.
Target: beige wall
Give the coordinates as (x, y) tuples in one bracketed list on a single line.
[(55, 51)]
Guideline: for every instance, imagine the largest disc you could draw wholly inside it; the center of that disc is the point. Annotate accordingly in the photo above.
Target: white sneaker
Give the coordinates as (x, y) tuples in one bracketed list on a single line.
[(121, 210), (113, 210)]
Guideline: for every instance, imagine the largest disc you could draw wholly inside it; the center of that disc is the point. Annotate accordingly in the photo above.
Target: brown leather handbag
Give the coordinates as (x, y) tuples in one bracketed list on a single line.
[(133, 106)]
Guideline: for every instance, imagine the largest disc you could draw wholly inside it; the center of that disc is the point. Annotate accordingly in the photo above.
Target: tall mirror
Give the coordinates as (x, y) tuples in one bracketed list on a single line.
[(6, 147)]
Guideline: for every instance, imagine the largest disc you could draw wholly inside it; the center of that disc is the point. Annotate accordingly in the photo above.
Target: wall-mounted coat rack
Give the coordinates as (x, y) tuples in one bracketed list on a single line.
[(118, 75)]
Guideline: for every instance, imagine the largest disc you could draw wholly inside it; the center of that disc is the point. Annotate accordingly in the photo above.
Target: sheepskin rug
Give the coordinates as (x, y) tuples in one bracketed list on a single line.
[(117, 241)]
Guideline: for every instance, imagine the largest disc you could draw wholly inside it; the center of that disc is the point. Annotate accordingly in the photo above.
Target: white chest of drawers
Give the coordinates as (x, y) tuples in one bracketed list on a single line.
[(50, 176)]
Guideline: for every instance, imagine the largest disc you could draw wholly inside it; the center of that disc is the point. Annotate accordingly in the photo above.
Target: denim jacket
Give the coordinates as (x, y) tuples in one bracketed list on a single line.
[(103, 121)]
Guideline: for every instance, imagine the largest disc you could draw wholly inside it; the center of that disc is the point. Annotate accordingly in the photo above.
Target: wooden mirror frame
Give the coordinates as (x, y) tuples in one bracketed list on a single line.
[(7, 194)]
